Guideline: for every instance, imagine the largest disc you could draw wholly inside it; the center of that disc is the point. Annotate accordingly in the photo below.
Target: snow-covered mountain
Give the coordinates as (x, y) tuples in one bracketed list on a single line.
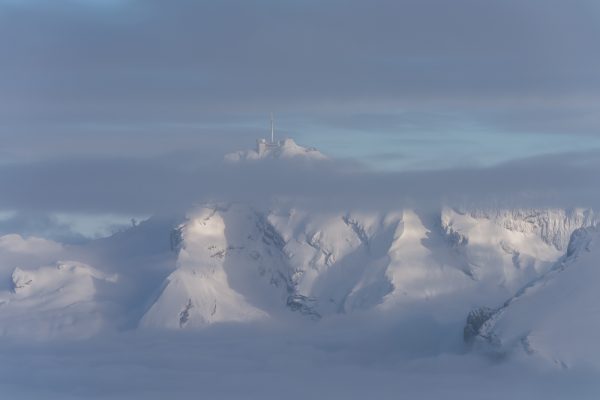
[(237, 263), (553, 317), (43, 297), (211, 256), (52, 301)]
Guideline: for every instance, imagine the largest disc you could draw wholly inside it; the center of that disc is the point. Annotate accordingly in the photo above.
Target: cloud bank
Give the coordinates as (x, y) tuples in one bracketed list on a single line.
[(146, 186)]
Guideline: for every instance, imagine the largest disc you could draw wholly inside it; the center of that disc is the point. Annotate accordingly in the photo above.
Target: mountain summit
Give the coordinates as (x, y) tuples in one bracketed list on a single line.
[(275, 149), (280, 149)]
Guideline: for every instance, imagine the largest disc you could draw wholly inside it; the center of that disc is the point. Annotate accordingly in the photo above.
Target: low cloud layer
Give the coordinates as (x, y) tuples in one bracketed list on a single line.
[(172, 185)]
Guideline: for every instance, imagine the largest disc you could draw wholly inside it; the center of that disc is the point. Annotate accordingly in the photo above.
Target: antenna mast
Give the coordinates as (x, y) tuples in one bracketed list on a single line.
[(272, 129)]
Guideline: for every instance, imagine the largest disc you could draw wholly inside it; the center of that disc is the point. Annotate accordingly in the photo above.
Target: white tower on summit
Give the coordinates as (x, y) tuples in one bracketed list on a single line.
[(262, 145), (272, 129)]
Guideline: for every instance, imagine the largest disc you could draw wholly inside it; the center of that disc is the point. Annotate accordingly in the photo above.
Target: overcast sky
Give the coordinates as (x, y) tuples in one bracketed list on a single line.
[(122, 91)]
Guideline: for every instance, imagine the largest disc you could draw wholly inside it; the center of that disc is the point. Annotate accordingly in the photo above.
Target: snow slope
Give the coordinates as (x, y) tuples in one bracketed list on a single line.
[(44, 298), (555, 317), (198, 292)]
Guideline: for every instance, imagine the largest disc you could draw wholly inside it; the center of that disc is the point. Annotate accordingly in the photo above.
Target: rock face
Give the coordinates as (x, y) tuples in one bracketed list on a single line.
[(475, 320)]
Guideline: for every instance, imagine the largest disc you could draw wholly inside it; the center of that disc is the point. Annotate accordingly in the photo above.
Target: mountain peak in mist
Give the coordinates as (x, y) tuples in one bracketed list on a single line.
[(280, 149)]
